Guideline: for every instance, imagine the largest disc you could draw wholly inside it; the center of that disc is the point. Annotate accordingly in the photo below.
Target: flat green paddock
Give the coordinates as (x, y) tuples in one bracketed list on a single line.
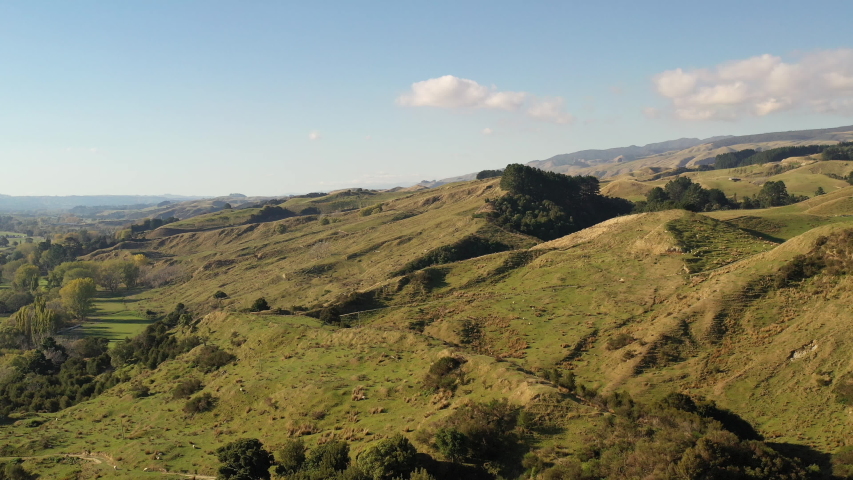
[(115, 317)]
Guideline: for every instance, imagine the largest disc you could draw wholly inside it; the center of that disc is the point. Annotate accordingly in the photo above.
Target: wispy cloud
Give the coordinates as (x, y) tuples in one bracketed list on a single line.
[(314, 135), (819, 82), (460, 93), (487, 131)]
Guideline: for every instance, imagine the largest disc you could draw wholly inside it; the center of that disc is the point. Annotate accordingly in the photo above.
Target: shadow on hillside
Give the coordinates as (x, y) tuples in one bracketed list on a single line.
[(763, 236), (806, 454)]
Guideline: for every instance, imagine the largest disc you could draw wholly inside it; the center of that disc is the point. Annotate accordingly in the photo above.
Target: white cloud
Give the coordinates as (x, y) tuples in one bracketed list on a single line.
[(456, 93), (368, 137), (651, 112), (314, 135), (550, 110), (820, 81), (487, 131)]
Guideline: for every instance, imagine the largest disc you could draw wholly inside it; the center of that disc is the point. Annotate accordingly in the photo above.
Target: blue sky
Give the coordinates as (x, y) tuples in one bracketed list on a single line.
[(269, 98)]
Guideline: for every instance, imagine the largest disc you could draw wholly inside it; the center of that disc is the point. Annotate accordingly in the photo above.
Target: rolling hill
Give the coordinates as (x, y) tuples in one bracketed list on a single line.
[(649, 304)]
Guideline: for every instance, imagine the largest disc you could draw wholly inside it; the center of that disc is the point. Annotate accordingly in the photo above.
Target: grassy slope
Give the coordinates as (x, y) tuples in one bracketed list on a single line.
[(557, 304)]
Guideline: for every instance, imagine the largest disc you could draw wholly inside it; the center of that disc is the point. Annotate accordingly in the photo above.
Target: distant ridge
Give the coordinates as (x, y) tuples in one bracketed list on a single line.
[(588, 158), (40, 203), (606, 163)]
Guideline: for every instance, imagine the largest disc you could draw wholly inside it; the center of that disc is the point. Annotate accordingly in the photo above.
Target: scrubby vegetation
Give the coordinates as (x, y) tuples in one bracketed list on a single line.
[(549, 205), (753, 157)]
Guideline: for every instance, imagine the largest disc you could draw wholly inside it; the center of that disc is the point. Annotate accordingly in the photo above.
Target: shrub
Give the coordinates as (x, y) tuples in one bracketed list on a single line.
[(220, 295), (291, 457), (259, 305), (488, 427), (390, 458), (202, 403), (211, 357), (138, 391), (443, 374), (451, 443), (333, 456), (244, 459), (186, 388), (619, 341)]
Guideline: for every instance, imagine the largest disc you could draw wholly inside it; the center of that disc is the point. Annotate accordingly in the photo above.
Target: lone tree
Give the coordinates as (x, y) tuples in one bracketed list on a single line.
[(393, 457), (244, 459), (27, 277), (260, 305), (77, 297)]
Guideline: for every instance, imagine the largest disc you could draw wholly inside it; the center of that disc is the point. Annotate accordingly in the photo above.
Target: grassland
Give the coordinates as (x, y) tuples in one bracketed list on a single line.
[(115, 317), (677, 289)]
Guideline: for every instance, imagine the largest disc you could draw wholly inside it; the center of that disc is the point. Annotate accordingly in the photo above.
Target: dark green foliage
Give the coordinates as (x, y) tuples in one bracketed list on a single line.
[(137, 390), (708, 409), (732, 159), (775, 194), (550, 205), (331, 315), (201, 403), (842, 151), (270, 213), (211, 357), (682, 193), (291, 457), (483, 174), (330, 456), (40, 383), (451, 443), (15, 471), (244, 459), (151, 224), (259, 305), (619, 341), (155, 344), (14, 300), (468, 247), (751, 157), (677, 438), (186, 387), (389, 458), (470, 331), (443, 374), (832, 254), (220, 295), (488, 427)]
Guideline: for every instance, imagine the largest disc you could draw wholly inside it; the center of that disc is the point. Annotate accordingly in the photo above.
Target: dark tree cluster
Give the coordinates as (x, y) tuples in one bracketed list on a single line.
[(467, 247), (270, 213), (484, 174), (841, 151), (683, 193), (753, 157), (157, 343), (772, 194), (51, 378), (550, 205), (387, 459), (151, 224)]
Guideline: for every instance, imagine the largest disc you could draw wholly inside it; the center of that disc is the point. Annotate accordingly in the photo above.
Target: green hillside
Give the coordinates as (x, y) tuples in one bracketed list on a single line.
[(745, 308)]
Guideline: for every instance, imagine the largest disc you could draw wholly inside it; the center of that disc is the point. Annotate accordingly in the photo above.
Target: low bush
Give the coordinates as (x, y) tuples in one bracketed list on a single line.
[(186, 388), (202, 403), (211, 357)]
